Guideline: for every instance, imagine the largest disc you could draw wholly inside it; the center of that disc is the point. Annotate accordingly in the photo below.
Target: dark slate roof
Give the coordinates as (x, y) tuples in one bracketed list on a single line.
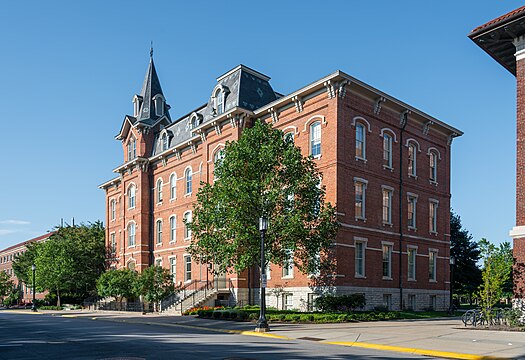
[(150, 88), (245, 88)]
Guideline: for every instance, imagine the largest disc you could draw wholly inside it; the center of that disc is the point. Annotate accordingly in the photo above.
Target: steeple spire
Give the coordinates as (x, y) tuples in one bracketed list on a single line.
[(153, 104)]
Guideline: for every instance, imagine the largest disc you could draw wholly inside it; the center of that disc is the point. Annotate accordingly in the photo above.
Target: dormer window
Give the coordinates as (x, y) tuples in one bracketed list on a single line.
[(132, 149), (136, 105), (159, 105), (219, 101), (195, 120), (164, 141)]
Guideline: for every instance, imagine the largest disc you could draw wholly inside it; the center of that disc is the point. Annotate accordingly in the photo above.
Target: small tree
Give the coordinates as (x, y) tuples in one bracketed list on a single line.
[(118, 284), (6, 284), (155, 283), (263, 174), (497, 267)]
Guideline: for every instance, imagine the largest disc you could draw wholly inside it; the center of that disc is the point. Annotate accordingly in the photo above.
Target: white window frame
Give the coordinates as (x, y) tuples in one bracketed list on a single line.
[(159, 190), (433, 215), (132, 234), (173, 186), (132, 196), (412, 160), (432, 265), (188, 179), (187, 269), (158, 232), (412, 202), (173, 267), (113, 209), (389, 249), (288, 266), (219, 101), (360, 245), (411, 264), (360, 151), (433, 160), (315, 139), (112, 243), (288, 301), (387, 195), (218, 156), (387, 150), (173, 228), (187, 219), (363, 183)]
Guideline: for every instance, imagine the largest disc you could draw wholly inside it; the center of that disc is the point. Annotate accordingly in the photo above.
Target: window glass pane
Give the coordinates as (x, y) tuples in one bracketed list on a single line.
[(360, 141), (315, 139)]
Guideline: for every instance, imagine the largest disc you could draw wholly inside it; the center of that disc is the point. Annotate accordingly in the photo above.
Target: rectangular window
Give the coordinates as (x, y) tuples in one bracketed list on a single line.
[(387, 206), (360, 198), (412, 201), (433, 302), (360, 258), (315, 139), (159, 232), (158, 262), (412, 302), (187, 267), (360, 141), (432, 265), (288, 266), (387, 150), (173, 229), (173, 268), (411, 263), (113, 210), (387, 301), (432, 216), (113, 244), (433, 166), (288, 301), (387, 261), (412, 160)]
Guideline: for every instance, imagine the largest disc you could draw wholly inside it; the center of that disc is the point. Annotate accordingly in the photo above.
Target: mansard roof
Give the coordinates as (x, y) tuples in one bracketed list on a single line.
[(150, 89)]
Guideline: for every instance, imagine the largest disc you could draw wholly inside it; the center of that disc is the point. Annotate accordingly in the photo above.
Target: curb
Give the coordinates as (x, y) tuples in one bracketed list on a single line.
[(22, 312)]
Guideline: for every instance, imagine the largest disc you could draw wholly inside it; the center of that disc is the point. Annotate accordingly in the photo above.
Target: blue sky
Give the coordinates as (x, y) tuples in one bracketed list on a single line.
[(68, 71)]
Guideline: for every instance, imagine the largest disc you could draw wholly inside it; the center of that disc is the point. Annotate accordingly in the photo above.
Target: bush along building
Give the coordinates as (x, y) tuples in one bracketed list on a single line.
[(385, 165), (504, 40)]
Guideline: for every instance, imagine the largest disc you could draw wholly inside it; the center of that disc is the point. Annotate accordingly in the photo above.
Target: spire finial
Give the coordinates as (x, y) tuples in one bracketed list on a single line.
[(151, 50)]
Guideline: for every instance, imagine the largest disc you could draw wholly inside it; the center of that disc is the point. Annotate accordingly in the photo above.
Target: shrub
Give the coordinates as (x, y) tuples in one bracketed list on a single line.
[(217, 314), (340, 303), (253, 316)]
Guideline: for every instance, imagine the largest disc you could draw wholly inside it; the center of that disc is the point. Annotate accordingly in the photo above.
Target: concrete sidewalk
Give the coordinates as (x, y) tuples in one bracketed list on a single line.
[(436, 337)]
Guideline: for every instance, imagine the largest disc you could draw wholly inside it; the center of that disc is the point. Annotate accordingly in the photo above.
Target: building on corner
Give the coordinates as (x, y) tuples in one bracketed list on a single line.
[(385, 165)]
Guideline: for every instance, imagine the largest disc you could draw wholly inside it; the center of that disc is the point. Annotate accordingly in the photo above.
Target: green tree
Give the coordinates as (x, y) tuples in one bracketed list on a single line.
[(155, 283), (497, 267), (118, 284), (467, 274), (263, 174), (68, 263), (6, 284)]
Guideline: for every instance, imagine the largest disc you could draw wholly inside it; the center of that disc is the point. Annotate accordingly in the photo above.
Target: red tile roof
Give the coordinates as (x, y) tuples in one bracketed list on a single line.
[(500, 19), (39, 238)]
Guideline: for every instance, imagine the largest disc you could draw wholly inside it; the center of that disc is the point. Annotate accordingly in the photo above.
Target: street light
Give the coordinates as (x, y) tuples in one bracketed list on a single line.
[(452, 263), (262, 324), (33, 307)]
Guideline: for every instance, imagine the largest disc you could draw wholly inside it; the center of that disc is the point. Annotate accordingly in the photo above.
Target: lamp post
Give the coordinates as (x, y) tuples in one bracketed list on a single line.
[(33, 306), (262, 324), (452, 263)]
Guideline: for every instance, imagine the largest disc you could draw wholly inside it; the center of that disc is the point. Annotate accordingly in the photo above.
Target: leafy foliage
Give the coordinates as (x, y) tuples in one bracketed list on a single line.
[(340, 303), (262, 174), (118, 284), (70, 261), (467, 275), (155, 283), (497, 267), (6, 284)]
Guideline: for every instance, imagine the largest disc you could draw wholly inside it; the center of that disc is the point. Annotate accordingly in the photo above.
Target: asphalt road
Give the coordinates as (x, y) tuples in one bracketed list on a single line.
[(28, 336)]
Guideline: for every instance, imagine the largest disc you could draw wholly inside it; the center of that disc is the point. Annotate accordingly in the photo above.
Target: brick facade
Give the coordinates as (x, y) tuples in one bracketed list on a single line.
[(340, 104)]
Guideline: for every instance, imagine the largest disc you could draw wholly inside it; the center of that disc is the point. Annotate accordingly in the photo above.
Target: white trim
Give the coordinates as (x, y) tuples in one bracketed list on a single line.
[(190, 219), (412, 140), (321, 118), (389, 130), (433, 149), (174, 240), (295, 129), (361, 119), (363, 241), (517, 232), (173, 175), (361, 180)]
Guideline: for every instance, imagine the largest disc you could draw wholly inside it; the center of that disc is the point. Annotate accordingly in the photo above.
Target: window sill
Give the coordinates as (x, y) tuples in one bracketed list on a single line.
[(434, 233), (433, 182), (316, 157), (387, 278), (432, 281), (359, 158), (287, 277), (390, 168), (172, 200), (132, 247), (412, 176), (172, 242), (159, 203), (387, 223), (157, 244), (359, 218), (187, 195), (187, 239), (412, 228), (412, 280), (358, 276)]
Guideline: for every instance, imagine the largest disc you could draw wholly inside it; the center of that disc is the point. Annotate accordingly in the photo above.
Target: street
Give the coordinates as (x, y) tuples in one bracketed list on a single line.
[(42, 336)]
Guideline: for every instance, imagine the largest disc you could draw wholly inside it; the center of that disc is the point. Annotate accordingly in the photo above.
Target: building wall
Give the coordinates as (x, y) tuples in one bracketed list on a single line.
[(338, 113)]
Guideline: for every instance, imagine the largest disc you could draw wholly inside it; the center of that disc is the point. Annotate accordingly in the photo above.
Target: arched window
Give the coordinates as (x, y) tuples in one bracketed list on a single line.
[(173, 228), (217, 160), (433, 158), (360, 141), (159, 105), (173, 186), (387, 150), (187, 220), (132, 149), (159, 232), (159, 191), (113, 209), (289, 137), (412, 158), (315, 139), (131, 234), (164, 141), (131, 197), (219, 101), (189, 180)]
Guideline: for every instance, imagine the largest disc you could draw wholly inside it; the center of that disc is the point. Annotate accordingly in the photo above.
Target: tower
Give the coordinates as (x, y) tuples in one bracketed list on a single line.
[(504, 40)]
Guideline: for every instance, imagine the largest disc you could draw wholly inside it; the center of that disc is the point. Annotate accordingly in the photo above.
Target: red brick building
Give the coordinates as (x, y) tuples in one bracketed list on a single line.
[(385, 165), (504, 40), (6, 264)]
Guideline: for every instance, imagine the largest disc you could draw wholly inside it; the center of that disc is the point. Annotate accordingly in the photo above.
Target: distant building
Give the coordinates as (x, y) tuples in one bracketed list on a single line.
[(504, 40), (6, 264), (394, 242)]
